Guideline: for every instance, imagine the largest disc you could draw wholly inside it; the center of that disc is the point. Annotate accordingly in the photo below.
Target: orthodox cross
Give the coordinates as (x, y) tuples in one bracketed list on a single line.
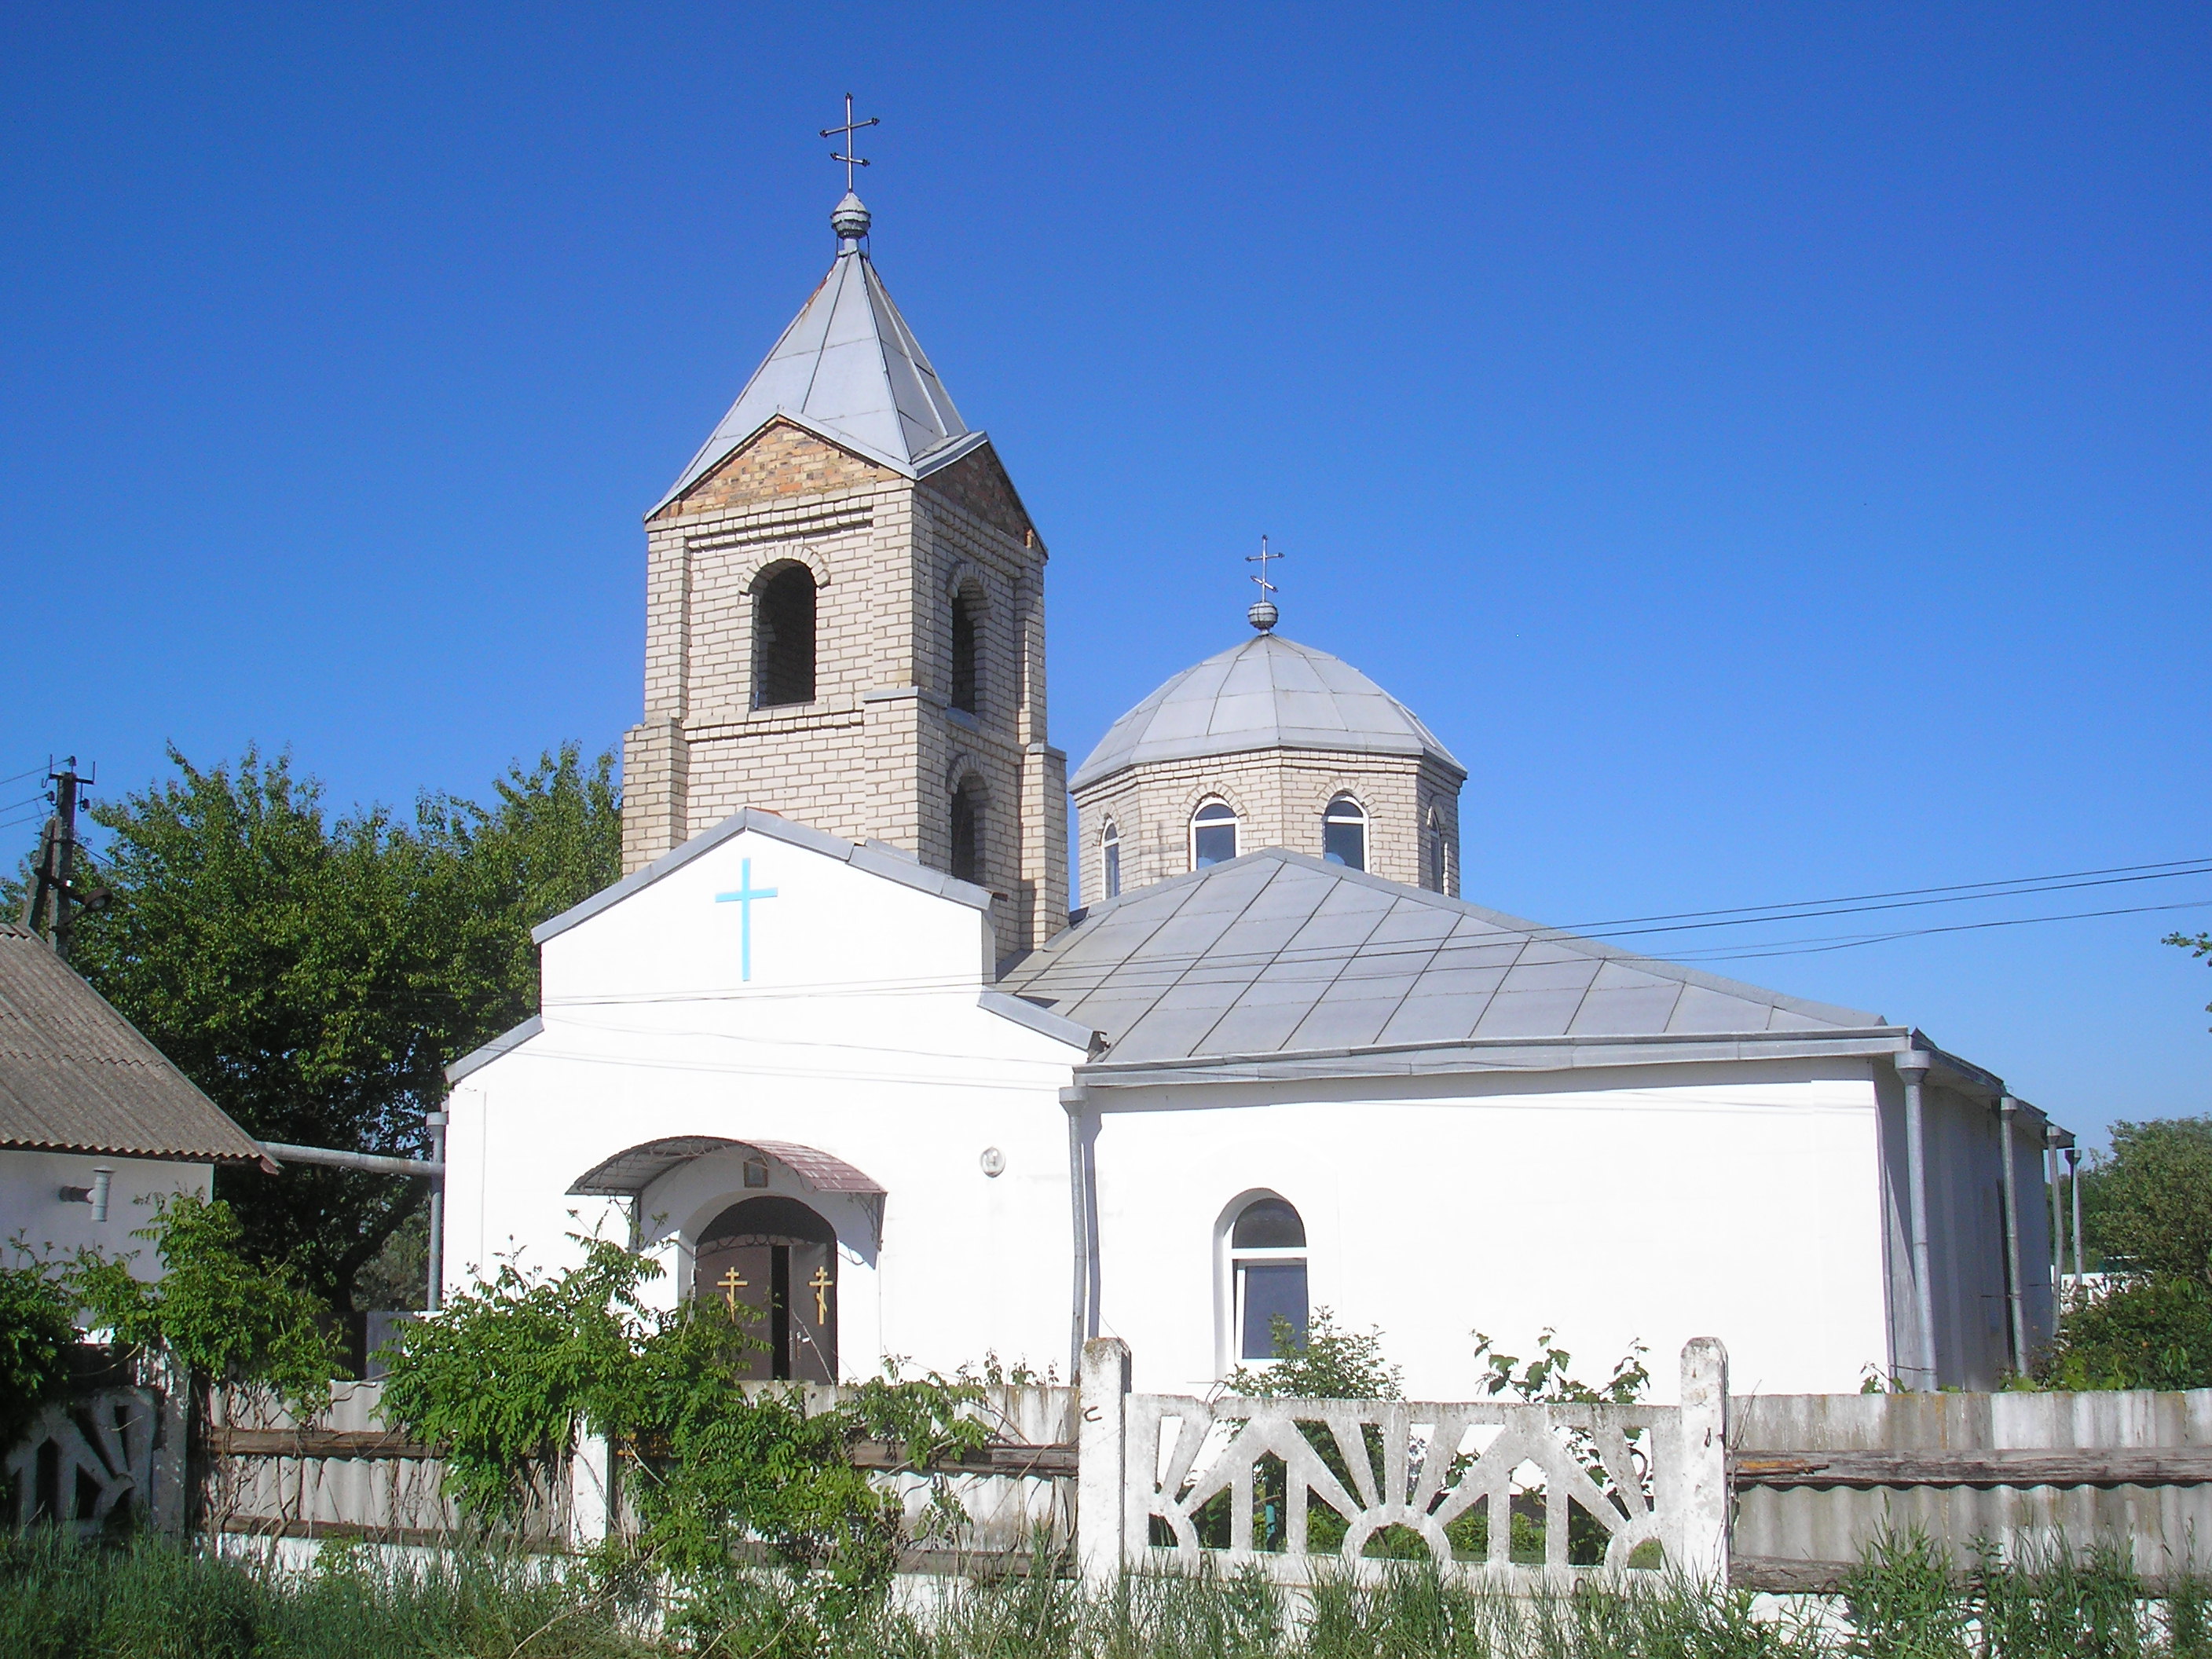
[(820, 1286), (1261, 559), (731, 1285), (847, 131), (742, 898)]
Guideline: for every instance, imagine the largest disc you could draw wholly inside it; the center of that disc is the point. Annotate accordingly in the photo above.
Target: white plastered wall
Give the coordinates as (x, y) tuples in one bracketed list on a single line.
[(1741, 1202), (31, 1205), (859, 1034)]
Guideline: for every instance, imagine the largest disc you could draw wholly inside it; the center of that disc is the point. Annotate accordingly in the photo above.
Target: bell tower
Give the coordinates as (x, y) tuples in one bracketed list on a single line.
[(845, 618)]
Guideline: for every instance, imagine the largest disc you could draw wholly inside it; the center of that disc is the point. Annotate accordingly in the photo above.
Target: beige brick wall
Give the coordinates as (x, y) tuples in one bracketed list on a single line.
[(1279, 795), (879, 751)]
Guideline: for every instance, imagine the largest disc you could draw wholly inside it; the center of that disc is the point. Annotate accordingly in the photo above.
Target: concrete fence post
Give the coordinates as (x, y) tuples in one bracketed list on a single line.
[(1698, 1546), (1102, 1462), (590, 1492)]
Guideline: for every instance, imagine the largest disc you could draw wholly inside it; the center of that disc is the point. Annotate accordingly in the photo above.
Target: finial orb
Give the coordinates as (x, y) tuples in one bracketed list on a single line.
[(1262, 615), (850, 218)]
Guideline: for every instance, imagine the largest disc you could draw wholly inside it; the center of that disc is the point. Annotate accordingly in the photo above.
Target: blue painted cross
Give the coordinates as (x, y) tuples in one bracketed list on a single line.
[(742, 898)]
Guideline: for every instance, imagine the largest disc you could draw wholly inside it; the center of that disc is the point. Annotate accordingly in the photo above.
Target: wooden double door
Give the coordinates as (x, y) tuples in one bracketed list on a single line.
[(778, 1258)]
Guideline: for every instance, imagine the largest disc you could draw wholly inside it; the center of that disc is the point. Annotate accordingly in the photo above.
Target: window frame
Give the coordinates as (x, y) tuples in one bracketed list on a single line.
[(1109, 861), (781, 575), (1230, 819), (1344, 808), (1232, 1283)]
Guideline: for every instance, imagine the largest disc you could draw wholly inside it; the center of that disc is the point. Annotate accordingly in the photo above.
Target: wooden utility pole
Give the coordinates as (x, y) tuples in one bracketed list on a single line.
[(53, 886)]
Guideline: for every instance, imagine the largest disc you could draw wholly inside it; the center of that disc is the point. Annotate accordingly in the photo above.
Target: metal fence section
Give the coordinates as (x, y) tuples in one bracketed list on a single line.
[(1818, 1477)]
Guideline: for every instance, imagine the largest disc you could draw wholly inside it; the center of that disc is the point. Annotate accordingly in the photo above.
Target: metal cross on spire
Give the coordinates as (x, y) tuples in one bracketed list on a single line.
[(847, 131), (1262, 615)]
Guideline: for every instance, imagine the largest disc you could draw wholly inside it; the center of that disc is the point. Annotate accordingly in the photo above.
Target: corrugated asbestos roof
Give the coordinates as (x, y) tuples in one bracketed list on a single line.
[(849, 368), (74, 1075), (1278, 953), (1267, 693)]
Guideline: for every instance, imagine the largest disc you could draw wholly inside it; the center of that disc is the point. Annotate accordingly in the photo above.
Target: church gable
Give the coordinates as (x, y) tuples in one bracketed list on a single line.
[(978, 484), (761, 905), (782, 459)]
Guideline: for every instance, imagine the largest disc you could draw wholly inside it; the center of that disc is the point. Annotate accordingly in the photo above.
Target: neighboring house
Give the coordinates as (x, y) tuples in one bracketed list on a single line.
[(94, 1121)]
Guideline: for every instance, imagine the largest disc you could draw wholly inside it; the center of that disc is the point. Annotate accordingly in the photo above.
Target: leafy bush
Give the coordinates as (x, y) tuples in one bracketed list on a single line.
[(37, 1331), (2137, 1333), (513, 1370), (225, 1317)]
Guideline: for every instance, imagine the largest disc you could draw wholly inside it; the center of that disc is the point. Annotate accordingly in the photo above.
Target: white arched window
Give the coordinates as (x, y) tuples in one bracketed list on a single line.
[(1344, 834), (1213, 835), (1109, 861), (1267, 1277)]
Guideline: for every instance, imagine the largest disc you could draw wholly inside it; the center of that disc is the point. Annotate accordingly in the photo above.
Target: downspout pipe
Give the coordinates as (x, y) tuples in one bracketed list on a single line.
[(1073, 1101), (2007, 1111), (434, 1288), (2074, 1192), (2051, 1138), (1912, 1071)]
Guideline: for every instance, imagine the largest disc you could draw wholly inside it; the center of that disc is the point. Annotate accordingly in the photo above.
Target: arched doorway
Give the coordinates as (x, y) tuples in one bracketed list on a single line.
[(778, 1257)]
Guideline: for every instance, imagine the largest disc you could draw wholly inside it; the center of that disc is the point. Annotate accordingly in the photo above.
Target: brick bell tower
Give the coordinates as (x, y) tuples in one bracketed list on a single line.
[(845, 618)]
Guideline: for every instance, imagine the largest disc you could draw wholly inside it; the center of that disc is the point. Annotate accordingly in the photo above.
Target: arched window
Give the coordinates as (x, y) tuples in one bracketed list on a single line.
[(1344, 834), (1432, 851), (1109, 861), (967, 831), (777, 1258), (1213, 835), (966, 676), (1267, 1272), (783, 637)]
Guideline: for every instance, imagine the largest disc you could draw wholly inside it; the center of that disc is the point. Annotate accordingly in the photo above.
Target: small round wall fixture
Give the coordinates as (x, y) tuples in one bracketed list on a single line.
[(993, 1161)]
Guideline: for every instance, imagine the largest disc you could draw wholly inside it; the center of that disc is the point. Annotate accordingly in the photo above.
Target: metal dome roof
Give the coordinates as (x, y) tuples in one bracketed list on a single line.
[(1267, 693)]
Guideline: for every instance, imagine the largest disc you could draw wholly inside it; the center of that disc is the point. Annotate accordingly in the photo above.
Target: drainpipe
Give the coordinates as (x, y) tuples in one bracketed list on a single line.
[(434, 1290), (1911, 1070), (2058, 1215), (102, 1179), (1072, 1101), (2008, 1109), (2074, 1189)]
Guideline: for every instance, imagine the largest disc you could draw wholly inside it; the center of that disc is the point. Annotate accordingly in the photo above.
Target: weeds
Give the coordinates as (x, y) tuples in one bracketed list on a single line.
[(147, 1600)]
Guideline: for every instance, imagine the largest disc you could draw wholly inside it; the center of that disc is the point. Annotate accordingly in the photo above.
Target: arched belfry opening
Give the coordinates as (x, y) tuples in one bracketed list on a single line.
[(783, 636), (969, 827), (967, 669), (777, 1258)]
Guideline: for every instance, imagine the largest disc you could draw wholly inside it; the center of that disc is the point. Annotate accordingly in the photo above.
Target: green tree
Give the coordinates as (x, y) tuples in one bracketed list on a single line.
[(2146, 1206), (2198, 945), (315, 975)]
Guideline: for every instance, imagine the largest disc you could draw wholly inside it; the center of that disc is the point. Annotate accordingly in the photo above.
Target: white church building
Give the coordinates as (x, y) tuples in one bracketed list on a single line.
[(837, 1045)]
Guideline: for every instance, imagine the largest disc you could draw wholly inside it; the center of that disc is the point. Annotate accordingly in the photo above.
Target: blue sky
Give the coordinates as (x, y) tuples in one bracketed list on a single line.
[(1768, 444)]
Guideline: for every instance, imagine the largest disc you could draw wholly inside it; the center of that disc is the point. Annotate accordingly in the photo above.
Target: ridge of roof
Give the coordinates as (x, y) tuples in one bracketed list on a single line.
[(1279, 952), (848, 369), (1267, 692), (889, 863)]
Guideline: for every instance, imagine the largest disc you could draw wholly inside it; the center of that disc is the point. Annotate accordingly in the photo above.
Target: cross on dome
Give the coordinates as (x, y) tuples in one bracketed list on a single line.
[(1263, 615), (847, 131)]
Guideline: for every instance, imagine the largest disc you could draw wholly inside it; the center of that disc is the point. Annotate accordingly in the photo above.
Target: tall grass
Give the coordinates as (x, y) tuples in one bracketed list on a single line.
[(146, 1600)]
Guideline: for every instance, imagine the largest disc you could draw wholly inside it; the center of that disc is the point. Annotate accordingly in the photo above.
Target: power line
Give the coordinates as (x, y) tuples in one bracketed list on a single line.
[(2172, 865), (1845, 942)]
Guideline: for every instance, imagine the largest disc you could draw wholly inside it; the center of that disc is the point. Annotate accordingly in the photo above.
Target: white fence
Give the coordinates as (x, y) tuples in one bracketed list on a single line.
[(1154, 1469)]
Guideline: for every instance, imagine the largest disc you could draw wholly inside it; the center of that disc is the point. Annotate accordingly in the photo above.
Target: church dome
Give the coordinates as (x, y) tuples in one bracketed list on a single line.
[(1267, 693)]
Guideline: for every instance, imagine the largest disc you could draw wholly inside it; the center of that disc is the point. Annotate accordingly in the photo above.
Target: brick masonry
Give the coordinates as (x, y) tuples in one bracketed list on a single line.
[(879, 752), (1279, 796)]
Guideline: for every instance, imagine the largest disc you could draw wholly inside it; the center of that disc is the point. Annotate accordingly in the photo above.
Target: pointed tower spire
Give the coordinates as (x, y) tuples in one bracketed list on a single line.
[(848, 369)]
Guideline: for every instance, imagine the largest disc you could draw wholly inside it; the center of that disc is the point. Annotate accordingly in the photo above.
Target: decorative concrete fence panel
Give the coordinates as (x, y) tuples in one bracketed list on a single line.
[(1819, 1477), (99, 1459), (1160, 1473)]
